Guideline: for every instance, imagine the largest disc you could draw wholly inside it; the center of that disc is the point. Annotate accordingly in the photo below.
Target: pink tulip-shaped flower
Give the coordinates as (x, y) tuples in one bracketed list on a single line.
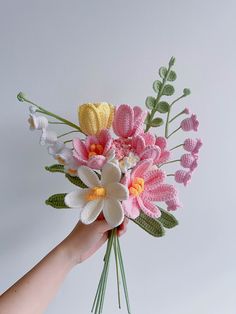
[(128, 121), (182, 176), (146, 185), (190, 124), (93, 152), (165, 153), (189, 161), (173, 204), (192, 145)]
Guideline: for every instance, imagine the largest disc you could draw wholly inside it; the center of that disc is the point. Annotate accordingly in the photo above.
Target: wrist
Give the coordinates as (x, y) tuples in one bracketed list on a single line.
[(70, 253)]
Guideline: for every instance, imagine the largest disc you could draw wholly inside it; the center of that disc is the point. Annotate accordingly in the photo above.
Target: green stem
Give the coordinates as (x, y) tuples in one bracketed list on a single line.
[(68, 141), (168, 115), (169, 162), (117, 269), (123, 276), (176, 116), (176, 146), (42, 110), (52, 122), (170, 175), (158, 97), (66, 133), (174, 132)]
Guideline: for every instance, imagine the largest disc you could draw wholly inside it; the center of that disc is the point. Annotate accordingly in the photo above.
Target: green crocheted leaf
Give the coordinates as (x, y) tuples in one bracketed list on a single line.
[(168, 220), (150, 225), (76, 181), (57, 201), (55, 168)]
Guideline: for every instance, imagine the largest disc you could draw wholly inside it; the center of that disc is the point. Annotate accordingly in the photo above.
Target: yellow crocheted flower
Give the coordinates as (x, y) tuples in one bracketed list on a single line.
[(95, 117)]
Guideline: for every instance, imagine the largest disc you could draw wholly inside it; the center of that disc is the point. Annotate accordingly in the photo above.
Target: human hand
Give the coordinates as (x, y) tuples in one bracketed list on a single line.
[(85, 240)]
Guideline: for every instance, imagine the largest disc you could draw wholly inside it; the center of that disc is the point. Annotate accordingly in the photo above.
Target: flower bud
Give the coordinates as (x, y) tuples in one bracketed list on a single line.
[(95, 117)]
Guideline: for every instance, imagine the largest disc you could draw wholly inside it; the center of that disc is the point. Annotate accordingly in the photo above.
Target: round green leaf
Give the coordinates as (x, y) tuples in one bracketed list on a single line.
[(172, 76), (162, 72), (147, 118), (157, 122), (186, 91), (163, 107), (150, 102), (156, 86), (168, 90)]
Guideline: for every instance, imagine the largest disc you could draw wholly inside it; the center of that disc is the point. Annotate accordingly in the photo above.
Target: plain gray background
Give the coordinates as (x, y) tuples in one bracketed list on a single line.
[(62, 53)]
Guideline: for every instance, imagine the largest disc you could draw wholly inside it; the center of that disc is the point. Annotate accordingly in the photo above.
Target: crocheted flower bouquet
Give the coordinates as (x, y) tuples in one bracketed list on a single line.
[(118, 165)]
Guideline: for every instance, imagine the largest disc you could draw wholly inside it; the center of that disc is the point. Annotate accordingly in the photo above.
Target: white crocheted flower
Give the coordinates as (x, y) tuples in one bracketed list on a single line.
[(101, 196), (37, 123)]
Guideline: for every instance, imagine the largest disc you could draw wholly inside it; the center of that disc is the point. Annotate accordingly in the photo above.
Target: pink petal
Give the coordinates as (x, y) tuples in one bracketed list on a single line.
[(148, 208), (164, 157), (153, 178), (161, 142), (149, 138), (123, 121), (151, 152), (140, 144), (105, 140), (126, 179), (141, 168), (131, 208), (139, 117), (160, 193), (96, 162), (80, 148)]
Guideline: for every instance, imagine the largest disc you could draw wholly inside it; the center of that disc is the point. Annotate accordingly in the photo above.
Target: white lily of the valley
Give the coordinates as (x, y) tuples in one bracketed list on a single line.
[(71, 167), (48, 137), (101, 196), (61, 153), (37, 122)]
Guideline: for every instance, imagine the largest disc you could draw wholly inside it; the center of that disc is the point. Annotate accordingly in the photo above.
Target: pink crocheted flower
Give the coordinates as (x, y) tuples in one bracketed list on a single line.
[(144, 146), (182, 176), (189, 124), (173, 204), (189, 161), (192, 145), (165, 153), (128, 121), (93, 151), (145, 185)]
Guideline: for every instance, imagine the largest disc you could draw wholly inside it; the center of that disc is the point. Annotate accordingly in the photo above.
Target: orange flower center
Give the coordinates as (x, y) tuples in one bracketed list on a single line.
[(95, 149), (137, 187), (95, 193)]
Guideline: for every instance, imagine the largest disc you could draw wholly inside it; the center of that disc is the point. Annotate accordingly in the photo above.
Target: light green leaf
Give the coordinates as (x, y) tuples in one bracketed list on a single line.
[(163, 107), (162, 72), (150, 102), (55, 168), (57, 201), (172, 61), (157, 86), (172, 76), (147, 118), (168, 220), (157, 122), (150, 225), (186, 91), (168, 90), (76, 181)]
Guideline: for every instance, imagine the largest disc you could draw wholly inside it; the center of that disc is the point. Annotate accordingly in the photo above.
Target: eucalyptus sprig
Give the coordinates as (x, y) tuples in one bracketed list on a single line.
[(22, 97), (162, 88)]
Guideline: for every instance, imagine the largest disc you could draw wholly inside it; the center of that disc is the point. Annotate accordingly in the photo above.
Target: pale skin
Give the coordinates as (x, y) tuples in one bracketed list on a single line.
[(33, 292)]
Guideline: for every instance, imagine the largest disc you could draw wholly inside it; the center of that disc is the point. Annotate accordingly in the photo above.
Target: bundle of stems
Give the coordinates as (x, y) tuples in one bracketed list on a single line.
[(114, 242)]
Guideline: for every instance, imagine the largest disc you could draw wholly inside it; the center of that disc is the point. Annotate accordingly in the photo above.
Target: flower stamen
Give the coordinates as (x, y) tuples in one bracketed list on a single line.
[(95, 149), (137, 187), (96, 193)]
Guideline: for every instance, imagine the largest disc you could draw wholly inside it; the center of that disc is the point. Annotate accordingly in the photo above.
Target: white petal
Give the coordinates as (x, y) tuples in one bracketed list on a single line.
[(91, 211), (117, 191), (48, 137), (56, 148), (88, 176), (113, 212), (110, 173), (76, 199)]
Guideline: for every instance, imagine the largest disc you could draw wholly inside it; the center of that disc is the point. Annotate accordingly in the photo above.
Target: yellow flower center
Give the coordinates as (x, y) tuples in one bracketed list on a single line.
[(95, 193), (137, 187), (95, 149)]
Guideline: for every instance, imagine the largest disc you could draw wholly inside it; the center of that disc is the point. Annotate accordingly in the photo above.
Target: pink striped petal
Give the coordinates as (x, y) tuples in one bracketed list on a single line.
[(80, 148), (141, 168), (153, 178), (148, 208), (161, 142), (151, 152), (105, 140), (140, 144), (139, 117), (96, 162), (149, 138), (160, 193)]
